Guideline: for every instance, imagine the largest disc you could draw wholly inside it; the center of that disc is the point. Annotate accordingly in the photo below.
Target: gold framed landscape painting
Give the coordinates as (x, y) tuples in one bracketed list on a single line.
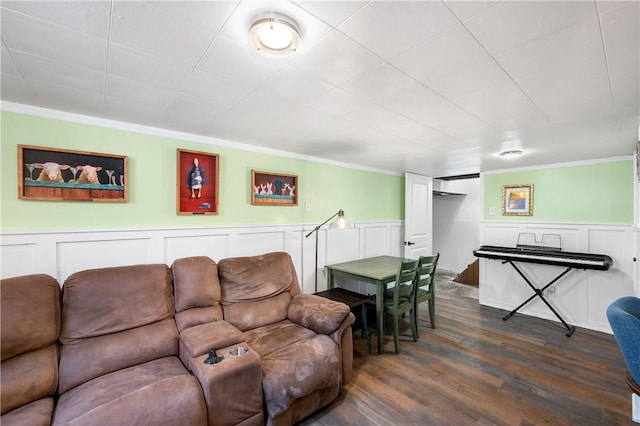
[(517, 200)]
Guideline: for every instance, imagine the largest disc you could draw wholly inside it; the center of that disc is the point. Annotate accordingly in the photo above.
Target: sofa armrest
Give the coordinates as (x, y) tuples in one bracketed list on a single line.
[(343, 336), (232, 388), (199, 339), (316, 313)]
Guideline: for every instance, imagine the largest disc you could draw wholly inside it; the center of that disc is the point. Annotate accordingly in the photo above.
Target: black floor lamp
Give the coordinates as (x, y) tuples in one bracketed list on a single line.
[(341, 222)]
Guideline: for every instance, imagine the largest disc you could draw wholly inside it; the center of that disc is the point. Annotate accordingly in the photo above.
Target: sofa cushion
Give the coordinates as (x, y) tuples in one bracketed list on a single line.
[(196, 283), (249, 315), (37, 413), (196, 316), (257, 290), (85, 359), (298, 370), (30, 313), (246, 279), (28, 377), (197, 291), (295, 363), (109, 300), (317, 313), (199, 339), (30, 322), (156, 392), (274, 337)]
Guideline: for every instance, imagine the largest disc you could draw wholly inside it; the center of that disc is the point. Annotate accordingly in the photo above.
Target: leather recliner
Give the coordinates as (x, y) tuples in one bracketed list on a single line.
[(29, 369), (304, 341), (119, 359)]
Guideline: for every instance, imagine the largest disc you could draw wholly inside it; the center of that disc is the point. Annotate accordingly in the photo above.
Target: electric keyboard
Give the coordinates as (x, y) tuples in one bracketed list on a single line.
[(529, 254)]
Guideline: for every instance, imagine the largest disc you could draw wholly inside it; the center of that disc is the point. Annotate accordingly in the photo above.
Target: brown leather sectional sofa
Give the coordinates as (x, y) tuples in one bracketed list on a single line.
[(132, 345)]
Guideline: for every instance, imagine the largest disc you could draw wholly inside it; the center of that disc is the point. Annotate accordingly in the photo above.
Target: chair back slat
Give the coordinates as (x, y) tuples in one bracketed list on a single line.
[(425, 286), (426, 272), (426, 277), (405, 286), (402, 298)]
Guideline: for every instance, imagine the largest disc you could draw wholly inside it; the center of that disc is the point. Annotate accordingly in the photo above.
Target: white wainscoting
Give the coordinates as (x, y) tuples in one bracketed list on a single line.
[(581, 297), (62, 253)]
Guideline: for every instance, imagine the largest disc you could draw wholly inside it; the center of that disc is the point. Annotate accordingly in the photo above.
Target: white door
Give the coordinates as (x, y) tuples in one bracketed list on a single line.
[(418, 216)]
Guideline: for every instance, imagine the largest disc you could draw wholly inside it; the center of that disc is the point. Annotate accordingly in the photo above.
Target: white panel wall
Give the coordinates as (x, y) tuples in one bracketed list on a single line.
[(73, 256), (213, 246), (61, 254), (375, 241), (19, 259), (580, 297), (456, 221)]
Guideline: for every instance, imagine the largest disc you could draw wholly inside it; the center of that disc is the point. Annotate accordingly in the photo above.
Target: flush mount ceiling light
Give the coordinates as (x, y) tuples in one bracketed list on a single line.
[(274, 34), (514, 153)]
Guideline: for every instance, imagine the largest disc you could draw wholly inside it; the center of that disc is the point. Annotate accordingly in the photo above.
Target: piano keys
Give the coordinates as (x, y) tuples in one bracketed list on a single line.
[(545, 256)]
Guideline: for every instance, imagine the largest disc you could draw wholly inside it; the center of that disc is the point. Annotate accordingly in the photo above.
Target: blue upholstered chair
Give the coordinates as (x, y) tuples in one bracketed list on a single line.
[(624, 318)]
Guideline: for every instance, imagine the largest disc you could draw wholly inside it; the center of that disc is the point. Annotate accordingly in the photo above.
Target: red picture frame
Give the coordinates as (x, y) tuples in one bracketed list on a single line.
[(197, 182)]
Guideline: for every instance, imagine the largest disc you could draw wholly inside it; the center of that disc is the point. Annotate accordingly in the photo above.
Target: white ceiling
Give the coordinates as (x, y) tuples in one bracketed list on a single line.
[(432, 87)]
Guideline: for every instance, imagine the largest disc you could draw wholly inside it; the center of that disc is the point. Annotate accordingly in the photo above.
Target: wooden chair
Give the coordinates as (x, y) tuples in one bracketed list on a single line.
[(427, 286), (401, 299)]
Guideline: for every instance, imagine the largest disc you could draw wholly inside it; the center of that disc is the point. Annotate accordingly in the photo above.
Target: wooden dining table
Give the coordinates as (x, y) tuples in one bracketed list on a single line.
[(379, 271)]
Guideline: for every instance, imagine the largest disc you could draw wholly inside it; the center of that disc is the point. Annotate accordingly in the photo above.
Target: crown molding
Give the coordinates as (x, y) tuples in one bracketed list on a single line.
[(556, 165), (156, 131)]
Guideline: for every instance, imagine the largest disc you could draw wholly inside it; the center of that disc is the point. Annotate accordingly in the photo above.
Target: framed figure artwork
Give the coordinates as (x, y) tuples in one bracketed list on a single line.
[(66, 175), (197, 182), (273, 189)]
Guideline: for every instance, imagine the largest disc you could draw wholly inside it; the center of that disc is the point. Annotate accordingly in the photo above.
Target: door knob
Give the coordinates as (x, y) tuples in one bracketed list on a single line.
[(408, 243)]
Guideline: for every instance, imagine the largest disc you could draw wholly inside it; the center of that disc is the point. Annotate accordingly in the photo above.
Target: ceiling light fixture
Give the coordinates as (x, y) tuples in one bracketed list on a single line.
[(514, 153), (274, 34)]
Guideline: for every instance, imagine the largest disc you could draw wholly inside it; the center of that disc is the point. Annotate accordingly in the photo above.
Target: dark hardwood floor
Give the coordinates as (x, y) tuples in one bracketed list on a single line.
[(476, 369)]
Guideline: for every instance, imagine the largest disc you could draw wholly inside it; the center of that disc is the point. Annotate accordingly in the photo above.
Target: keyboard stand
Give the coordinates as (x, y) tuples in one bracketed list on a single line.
[(539, 292)]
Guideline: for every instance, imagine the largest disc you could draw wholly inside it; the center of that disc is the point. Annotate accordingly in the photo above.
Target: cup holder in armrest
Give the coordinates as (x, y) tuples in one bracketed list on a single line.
[(240, 350)]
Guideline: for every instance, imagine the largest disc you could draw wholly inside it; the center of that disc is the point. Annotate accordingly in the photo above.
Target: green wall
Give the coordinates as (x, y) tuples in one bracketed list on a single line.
[(594, 193), (364, 196)]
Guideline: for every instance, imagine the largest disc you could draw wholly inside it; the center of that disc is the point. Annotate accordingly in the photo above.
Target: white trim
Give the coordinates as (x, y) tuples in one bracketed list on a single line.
[(298, 226), (155, 131), (540, 222), (556, 165)]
